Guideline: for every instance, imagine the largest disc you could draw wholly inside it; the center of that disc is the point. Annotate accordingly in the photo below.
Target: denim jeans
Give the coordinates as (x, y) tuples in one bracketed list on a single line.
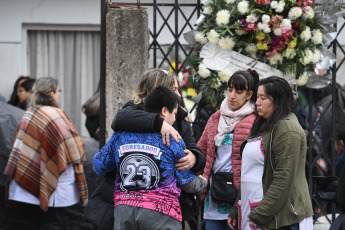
[(217, 225), (291, 227)]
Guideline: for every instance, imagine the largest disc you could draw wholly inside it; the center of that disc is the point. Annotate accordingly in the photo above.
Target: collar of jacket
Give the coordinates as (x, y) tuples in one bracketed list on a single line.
[(181, 113)]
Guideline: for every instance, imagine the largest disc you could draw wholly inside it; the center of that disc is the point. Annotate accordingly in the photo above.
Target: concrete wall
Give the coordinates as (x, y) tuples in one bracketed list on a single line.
[(127, 45)]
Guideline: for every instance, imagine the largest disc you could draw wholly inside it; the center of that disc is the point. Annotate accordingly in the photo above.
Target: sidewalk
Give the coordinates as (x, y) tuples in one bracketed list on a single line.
[(322, 223)]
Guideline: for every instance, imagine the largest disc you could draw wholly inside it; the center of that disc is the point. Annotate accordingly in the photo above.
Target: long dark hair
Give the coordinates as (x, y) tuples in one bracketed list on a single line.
[(245, 80), (280, 92), (14, 99)]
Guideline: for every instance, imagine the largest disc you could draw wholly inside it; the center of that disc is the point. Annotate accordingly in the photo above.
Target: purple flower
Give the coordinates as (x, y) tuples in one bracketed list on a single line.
[(243, 21), (275, 41)]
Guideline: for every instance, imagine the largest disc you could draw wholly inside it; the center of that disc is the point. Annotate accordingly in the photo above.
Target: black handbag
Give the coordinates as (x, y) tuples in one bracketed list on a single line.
[(223, 190)]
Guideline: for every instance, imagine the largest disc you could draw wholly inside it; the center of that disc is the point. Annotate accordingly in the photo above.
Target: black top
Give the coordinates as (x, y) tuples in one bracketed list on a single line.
[(133, 118)]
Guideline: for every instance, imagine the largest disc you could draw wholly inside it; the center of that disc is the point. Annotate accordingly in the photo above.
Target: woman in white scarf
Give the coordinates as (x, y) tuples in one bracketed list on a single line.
[(221, 139)]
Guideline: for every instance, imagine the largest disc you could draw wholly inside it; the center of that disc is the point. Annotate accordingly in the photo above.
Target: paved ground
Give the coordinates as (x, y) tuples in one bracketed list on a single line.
[(321, 223)]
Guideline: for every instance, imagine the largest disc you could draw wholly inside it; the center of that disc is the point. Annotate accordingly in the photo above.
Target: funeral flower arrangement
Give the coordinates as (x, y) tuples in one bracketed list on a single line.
[(284, 34)]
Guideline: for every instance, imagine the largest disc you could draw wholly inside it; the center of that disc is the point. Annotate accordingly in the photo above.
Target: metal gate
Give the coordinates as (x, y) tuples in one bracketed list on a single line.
[(179, 18)]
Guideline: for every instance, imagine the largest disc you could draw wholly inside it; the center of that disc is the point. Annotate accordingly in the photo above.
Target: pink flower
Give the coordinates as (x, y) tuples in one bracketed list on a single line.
[(264, 2), (251, 26), (271, 53), (299, 3), (307, 3)]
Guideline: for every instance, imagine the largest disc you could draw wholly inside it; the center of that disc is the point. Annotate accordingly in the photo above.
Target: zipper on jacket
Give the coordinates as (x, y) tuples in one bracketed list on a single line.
[(293, 209), (271, 140)]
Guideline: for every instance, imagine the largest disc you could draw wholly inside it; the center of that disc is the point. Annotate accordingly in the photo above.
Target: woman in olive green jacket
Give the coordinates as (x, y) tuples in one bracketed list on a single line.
[(274, 190)]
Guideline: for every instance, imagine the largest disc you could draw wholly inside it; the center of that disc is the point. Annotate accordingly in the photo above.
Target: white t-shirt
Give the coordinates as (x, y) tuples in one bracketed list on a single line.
[(65, 194), (212, 210)]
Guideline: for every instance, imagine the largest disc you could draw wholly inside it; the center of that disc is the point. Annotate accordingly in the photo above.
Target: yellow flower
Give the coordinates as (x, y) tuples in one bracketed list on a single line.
[(293, 43), (260, 36), (173, 65), (262, 46), (191, 92)]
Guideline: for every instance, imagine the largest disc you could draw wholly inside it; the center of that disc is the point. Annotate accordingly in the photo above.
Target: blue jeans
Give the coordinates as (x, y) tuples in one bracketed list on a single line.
[(291, 227), (217, 225)]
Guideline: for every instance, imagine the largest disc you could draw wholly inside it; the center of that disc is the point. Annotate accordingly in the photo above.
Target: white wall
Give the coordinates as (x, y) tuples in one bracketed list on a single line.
[(18, 15)]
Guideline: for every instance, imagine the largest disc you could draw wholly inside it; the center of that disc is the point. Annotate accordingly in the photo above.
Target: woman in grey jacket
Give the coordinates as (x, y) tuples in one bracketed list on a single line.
[(274, 190)]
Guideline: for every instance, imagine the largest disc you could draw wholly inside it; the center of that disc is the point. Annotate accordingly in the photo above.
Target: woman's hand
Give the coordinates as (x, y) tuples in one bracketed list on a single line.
[(232, 223), (187, 162), (167, 131)]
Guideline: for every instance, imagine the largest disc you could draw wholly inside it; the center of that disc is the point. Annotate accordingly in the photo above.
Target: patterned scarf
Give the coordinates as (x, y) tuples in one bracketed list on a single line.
[(228, 118), (45, 143)]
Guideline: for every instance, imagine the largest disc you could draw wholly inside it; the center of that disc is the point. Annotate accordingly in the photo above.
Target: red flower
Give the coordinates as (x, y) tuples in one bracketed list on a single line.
[(296, 26)]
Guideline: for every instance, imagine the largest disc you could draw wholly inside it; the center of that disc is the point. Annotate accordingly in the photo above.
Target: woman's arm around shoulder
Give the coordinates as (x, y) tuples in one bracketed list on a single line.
[(133, 118)]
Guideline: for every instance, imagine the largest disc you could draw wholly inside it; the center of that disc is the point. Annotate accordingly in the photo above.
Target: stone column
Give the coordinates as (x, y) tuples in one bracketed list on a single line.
[(127, 45)]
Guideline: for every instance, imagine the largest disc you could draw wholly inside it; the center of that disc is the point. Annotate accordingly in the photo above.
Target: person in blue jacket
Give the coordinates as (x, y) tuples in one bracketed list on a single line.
[(147, 184)]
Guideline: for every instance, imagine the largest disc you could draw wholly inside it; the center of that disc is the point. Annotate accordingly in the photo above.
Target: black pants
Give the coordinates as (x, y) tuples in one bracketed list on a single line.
[(31, 217)]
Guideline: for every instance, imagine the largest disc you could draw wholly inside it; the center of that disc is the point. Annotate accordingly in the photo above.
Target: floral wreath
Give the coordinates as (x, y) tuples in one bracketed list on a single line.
[(283, 34)]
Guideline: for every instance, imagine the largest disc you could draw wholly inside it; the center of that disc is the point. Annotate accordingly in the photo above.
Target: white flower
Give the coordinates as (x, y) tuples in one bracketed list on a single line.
[(213, 36), (216, 83), (275, 59), (230, 1), (208, 10), (317, 36), (316, 56), (251, 49), (307, 57), (294, 13), (226, 43), (265, 18), (264, 27), (306, 34), (280, 7), (240, 32), (222, 17), (224, 77), (251, 18), (302, 80), (308, 13), (286, 23), (267, 29), (200, 37), (274, 4), (203, 71), (277, 31), (243, 7), (180, 77), (290, 53)]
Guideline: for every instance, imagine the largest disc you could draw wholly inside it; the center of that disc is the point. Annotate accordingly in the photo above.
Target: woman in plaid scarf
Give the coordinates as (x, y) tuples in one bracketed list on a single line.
[(45, 169)]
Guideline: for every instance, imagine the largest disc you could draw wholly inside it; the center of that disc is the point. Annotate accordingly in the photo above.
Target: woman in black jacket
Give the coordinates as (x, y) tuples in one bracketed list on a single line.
[(133, 118)]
